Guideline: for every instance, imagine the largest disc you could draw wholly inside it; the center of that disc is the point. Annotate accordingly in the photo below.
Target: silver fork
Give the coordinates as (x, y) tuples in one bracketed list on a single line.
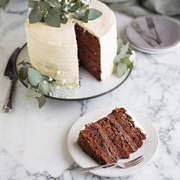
[(151, 25), (118, 164), (139, 30), (145, 35)]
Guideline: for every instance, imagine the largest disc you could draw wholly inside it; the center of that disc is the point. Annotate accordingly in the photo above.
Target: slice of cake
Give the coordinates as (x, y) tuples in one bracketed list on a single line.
[(58, 51), (112, 137)]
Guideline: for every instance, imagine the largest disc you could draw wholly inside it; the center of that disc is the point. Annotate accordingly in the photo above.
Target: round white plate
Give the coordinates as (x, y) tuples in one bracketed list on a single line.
[(90, 87), (148, 149), (167, 28), (151, 52)]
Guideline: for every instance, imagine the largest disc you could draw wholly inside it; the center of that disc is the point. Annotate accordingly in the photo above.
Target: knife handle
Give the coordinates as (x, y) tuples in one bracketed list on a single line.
[(8, 103)]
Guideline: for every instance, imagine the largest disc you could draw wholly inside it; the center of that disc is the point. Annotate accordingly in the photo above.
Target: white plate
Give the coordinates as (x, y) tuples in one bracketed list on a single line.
[(90, 87), (167, 28), (151, 52), (148, 149)]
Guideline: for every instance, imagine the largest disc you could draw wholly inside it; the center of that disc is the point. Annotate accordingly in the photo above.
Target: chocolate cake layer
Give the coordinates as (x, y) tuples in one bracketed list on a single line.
[(121, 139), (111, 138), (88, 51), (126, 121), (95, 142)]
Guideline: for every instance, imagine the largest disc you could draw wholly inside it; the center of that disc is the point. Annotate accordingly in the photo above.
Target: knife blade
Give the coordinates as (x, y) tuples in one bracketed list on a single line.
[(11, 74)]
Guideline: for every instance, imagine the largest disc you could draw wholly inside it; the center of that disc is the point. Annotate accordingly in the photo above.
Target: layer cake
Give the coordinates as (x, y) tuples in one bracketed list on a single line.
[(58, 52), (112, 137)]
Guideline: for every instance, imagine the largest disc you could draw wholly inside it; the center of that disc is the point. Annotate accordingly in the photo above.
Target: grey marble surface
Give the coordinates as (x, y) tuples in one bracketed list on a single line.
[(34, 142)]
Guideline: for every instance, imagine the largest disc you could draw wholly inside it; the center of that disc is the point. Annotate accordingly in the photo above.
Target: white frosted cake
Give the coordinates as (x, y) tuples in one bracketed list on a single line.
[(58, 52)]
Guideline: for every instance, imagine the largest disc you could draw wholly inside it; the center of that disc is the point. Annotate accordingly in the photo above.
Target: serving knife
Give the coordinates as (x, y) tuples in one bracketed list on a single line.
[(11, 74)]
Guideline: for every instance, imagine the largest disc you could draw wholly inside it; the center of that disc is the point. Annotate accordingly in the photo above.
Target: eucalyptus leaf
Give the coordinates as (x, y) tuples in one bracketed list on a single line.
[(121, 69), (34, 77), (131, 65), (124, 49), (44, 87), (54, 3), (23, 73), (32, 93), (127, 61), (52, 18), (32, 4), (86, 16), (35, 16), (44, 5), (120, 43), (41, 100), (21, 63), (118, 57), (79, 15), (94, 13), (74, 8), (59, 11), (64, 20)]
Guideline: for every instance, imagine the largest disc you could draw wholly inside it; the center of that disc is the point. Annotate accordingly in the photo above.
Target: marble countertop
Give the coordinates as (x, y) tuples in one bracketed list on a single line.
[(34, 141)]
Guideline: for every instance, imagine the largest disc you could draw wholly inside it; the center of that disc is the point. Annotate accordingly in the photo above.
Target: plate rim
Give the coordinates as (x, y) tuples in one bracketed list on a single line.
[(109, 109), (71, 99), (150, 51), (158, 50)]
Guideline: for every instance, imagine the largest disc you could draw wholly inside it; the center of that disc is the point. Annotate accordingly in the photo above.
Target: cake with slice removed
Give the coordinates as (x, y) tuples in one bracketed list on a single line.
[(58, 51)]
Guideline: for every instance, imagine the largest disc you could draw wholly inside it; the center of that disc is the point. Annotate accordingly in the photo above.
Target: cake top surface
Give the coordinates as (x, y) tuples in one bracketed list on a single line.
[(52, 35), (98, 27)]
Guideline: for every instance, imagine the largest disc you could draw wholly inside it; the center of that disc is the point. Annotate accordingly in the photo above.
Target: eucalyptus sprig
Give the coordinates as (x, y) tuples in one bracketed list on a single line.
[(122, 61), (55, 12), (38, 84)]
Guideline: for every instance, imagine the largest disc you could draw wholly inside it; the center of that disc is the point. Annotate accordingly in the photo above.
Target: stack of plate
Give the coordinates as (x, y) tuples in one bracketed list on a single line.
[(168, 30)]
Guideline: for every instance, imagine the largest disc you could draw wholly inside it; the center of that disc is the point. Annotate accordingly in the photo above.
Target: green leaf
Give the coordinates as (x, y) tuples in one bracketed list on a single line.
[(86, 16), (44, 5), (120, 43), (34, 77), (79, 15), (64, 20), (74, 8), (35, 16), (32, 93), (44, 87), (32, 4), (54, 3), (23, 73), (59, 11), (52, 18), (121, 69), (41, 100), (22, 63), (117, 59), (124, 49), (94, 14), (127, 61)]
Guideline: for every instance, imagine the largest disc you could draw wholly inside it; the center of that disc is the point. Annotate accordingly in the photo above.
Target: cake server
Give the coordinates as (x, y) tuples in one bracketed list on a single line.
[(11, 74)]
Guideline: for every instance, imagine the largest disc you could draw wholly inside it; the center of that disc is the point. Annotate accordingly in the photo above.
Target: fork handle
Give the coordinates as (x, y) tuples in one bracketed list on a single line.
[(8, 102), (157, 35), (99, 166)]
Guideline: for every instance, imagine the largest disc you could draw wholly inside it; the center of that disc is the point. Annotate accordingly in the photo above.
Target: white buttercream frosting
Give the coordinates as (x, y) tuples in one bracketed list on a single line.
[(53, 51)]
